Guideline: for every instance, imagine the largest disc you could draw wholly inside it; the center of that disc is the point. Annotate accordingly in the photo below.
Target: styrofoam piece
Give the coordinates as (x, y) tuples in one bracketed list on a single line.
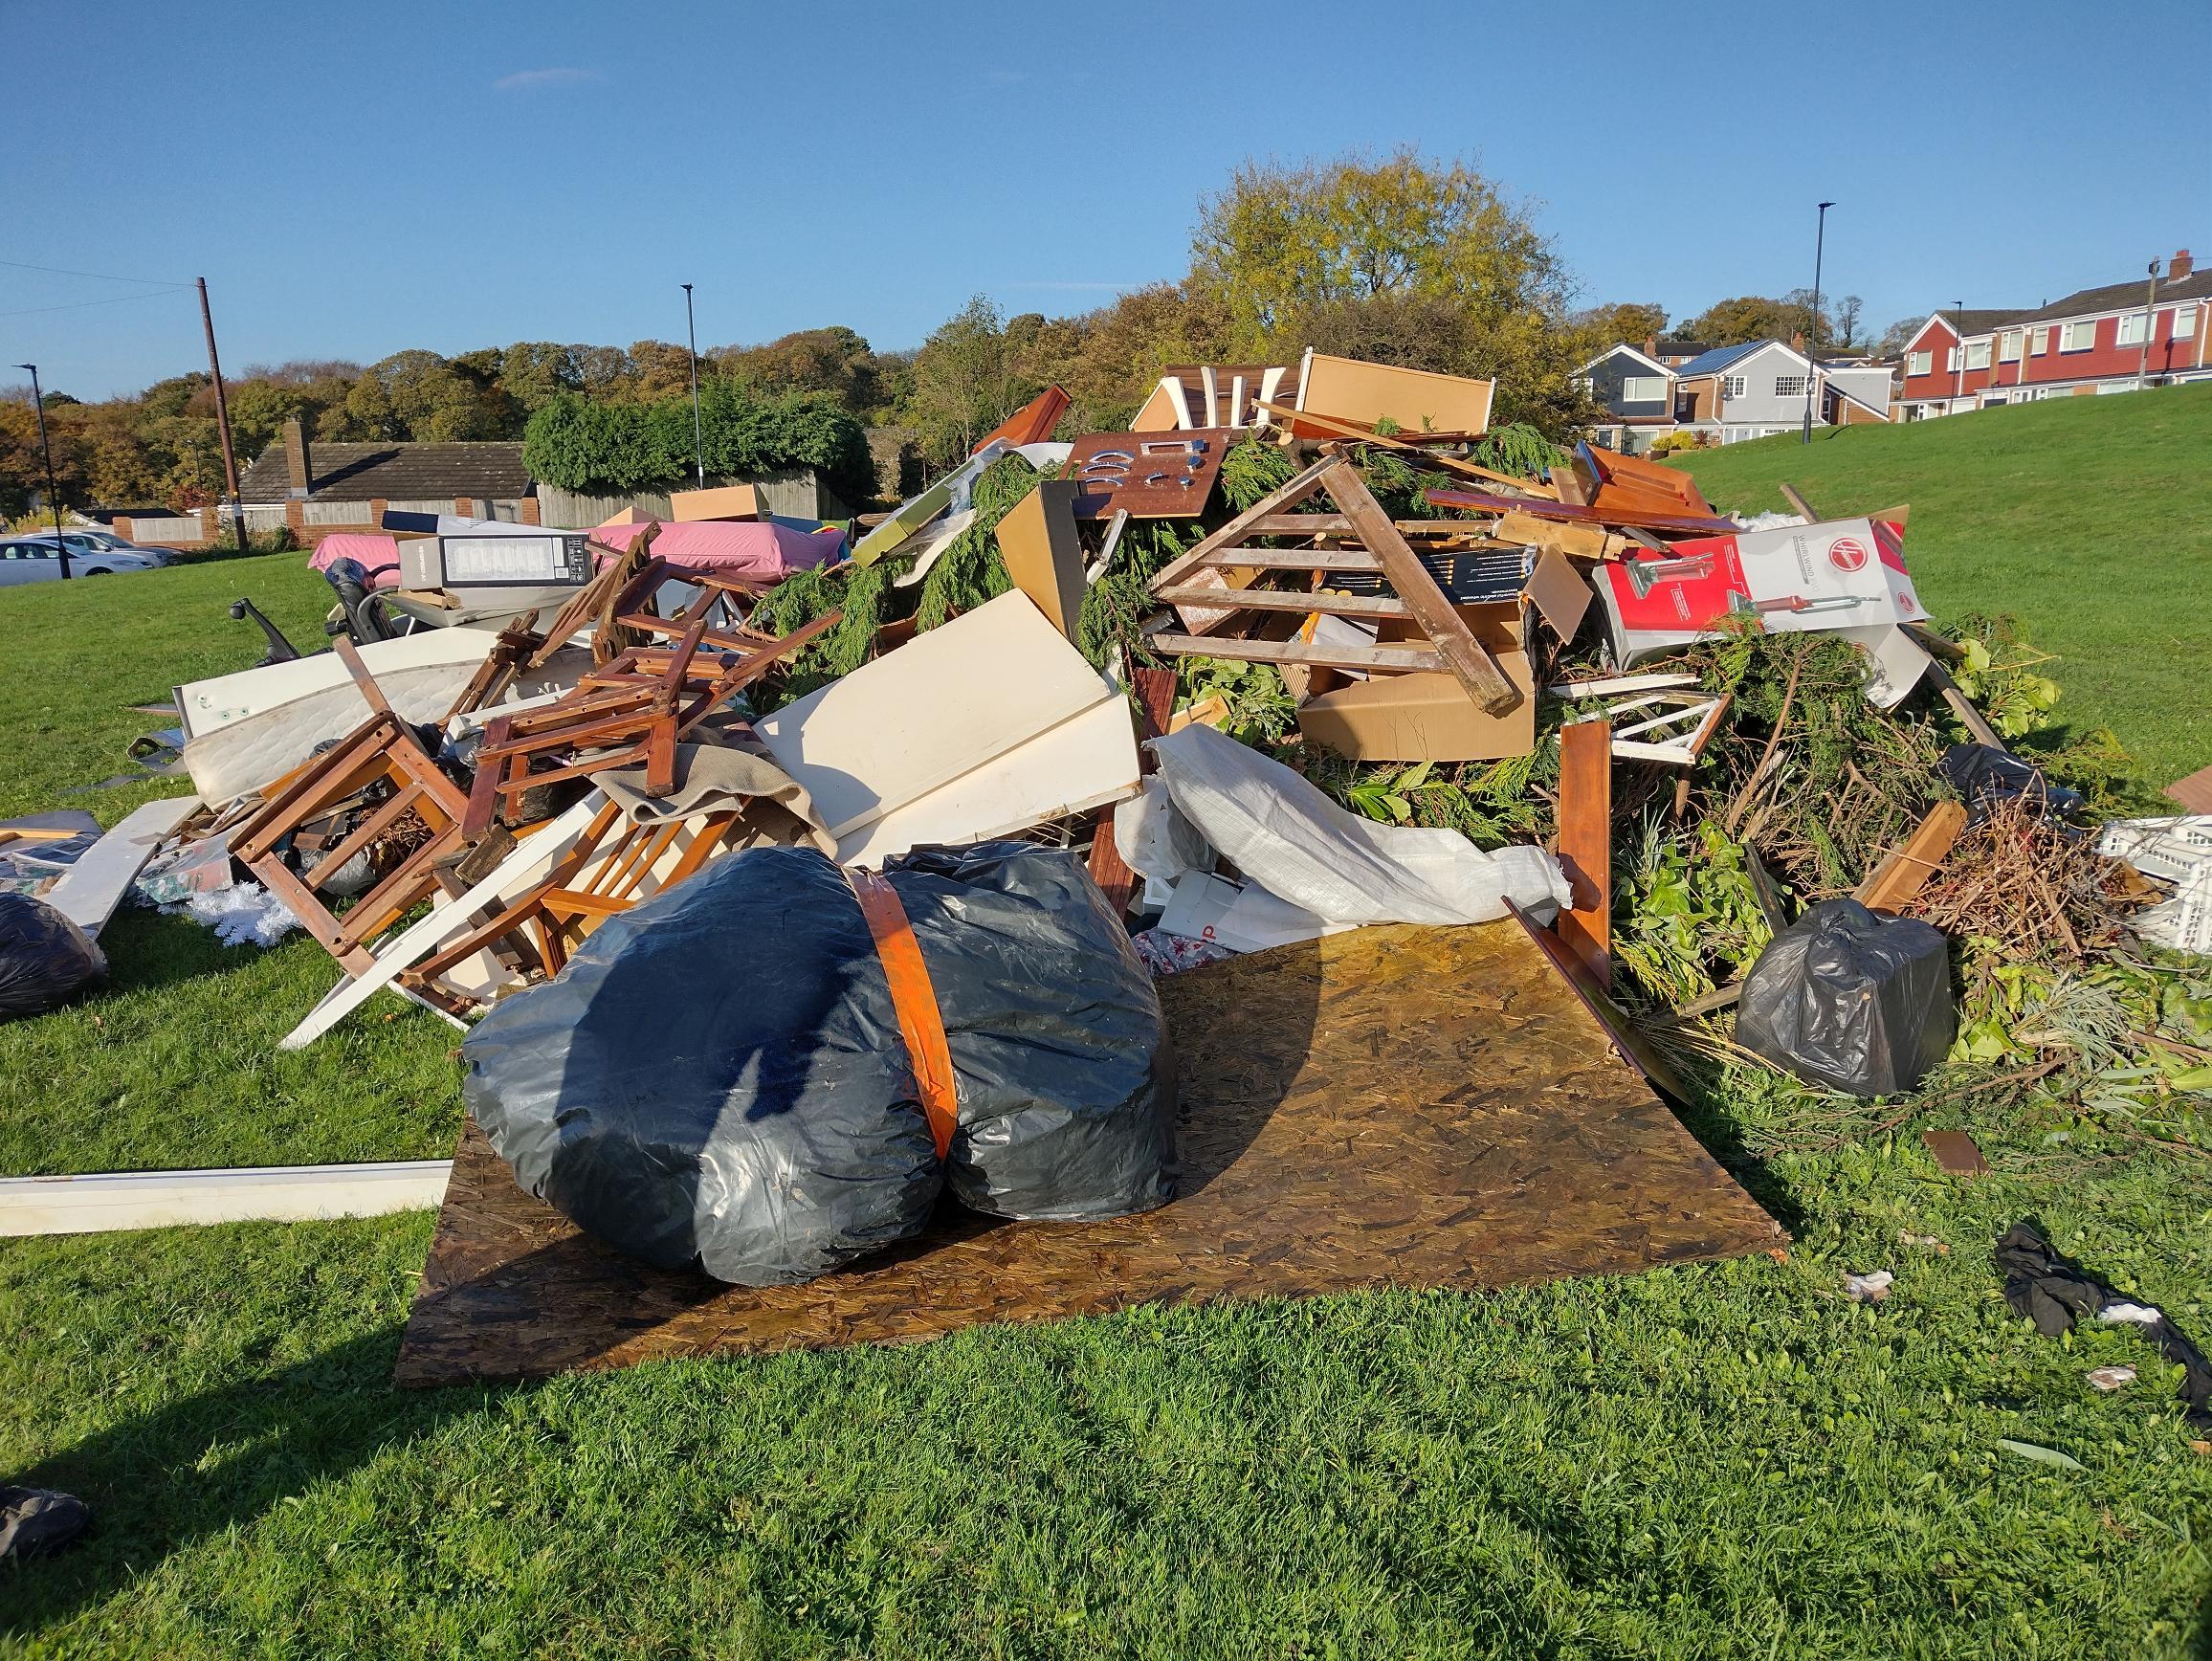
[(953, 699), (520, 867), (118, 1200), (90, 890), (1080, 765), (2169, 849), (205, 706)]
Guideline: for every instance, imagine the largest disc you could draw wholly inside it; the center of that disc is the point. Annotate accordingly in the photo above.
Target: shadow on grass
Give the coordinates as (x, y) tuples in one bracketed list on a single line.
[(147, 950), (159, 1484)]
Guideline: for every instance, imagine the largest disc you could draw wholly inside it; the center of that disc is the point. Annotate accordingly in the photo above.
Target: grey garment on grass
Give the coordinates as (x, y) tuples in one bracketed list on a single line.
[(724, 779), (35, 1519)]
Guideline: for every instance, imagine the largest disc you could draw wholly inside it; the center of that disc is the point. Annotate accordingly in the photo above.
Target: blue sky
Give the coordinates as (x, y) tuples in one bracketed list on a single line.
[(352, 180)]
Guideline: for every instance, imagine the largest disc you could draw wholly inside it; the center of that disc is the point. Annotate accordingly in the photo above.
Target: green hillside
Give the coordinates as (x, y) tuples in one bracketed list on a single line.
[(2087, 519)]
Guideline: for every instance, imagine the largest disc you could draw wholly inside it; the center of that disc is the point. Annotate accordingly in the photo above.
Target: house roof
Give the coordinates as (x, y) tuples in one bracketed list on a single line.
[(1682, 348), (1614, 351), (394, 471), (1972, 322), (2120, 296), (1720, 358)]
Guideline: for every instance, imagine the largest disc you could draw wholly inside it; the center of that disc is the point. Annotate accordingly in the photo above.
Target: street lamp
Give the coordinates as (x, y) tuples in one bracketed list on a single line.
[(1813, 322), (698, 440), (52, 491)]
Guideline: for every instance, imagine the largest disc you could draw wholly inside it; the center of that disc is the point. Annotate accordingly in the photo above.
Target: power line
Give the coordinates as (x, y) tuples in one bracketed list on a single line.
[(100, 276), (81, 304)]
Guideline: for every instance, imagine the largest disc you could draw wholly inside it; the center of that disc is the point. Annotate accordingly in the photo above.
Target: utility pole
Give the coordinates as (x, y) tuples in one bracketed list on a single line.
[(53, 490), (2150, 299), (698, 440), (1958, 329), (223, 419), (1813, 323)]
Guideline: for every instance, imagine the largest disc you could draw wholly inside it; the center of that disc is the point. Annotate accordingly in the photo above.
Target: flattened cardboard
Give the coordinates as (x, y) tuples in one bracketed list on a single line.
[(1427, 715), (1417, 400), (1558, 592), (731, 502), (1043, 555)]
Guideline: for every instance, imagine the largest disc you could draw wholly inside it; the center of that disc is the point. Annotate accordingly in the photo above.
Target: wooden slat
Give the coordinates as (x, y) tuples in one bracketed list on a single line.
[(1433, 613), (1406, 658), (1586, 843), (1907, 868), (1276, 600), (1290, 559), (1301, 487)]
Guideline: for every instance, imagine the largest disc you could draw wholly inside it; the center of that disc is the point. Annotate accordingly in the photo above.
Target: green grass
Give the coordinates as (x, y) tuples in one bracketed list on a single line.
[(174, 1062), (1725, 1460), (2088, 518)]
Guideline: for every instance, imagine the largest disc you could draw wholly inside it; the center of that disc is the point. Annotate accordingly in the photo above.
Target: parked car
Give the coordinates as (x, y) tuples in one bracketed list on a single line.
[(36, 560), (83, 539)]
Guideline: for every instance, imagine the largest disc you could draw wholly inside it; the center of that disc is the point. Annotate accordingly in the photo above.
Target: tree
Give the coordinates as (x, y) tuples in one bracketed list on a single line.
[(1360, 247), (836, 360), (1749, 316), (1897, 337), (1847, 311), (1607, 325), (965, 383), (420, 395)]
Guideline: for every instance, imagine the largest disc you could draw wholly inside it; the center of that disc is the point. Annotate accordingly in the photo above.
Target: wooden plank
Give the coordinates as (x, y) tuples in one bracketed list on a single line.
[(1433, 613), (1387, 1106), (1961, 706), (1407, 659), (1586, 846), (1798, 504), (95, 883), (1678, 525), (1292, 560), (116, 1200), (1907, 868), (1301, 486), (1155, 690), (1276, 600)]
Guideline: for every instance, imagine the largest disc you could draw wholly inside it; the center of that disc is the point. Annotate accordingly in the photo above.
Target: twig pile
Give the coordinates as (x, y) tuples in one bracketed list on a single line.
[(2034, 888)]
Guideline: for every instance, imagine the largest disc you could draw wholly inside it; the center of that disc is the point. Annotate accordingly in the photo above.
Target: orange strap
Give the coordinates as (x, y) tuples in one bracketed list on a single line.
[(914, 999)]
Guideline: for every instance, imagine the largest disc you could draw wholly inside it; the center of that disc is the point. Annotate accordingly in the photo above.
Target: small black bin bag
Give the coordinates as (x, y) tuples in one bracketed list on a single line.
[(45, 958), (1845, 999), (719, 1076)]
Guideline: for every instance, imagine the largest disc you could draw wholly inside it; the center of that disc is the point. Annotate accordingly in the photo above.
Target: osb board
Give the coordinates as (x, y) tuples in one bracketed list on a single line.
[(1391, 1106)]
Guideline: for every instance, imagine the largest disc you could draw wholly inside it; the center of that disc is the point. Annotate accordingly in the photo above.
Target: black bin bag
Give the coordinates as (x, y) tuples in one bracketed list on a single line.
[(718, 1074), (45, 958), (1856, 1002)]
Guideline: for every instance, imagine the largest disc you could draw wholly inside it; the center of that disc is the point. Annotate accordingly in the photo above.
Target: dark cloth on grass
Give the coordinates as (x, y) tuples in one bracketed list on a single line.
[(2052, 1293)]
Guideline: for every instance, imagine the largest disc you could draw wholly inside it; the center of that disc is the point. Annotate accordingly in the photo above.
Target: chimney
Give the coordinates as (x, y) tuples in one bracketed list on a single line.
[(1796, 341), (1651, 346), (298, 469), (2182, 266)]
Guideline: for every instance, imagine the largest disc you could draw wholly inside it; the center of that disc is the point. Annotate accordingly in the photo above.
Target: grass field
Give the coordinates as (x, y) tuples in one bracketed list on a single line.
[(1726, 1460), (2088, 518)]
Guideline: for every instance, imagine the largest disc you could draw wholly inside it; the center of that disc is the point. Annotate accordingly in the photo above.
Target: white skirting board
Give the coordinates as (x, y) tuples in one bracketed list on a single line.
[(90, 890), (118, 1200)]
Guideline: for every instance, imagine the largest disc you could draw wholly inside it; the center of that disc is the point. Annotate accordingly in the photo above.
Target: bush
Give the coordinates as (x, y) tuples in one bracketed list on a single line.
[(579, 445)]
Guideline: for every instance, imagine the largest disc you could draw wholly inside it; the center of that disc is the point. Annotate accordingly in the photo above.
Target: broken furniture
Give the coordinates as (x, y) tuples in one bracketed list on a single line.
[(1146, 475), (1503, 1142)]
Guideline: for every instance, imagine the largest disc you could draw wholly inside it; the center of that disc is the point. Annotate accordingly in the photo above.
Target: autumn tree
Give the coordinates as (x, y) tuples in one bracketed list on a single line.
[(835, 360), (1607, 325), (1377, 250)]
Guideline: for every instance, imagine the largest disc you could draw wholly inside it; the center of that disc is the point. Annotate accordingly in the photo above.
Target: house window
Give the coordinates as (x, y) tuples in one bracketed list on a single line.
[(2077, 337), (1732, 386), (2008, 346), (1978, 354), (1920, 363), (1644, 389), (2186, 322), (2131, 330), (1789, 386), (1951, 361), (2038, 342)]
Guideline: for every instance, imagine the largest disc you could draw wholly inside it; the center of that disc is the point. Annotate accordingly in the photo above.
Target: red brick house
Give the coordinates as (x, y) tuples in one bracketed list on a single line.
[(2150, 332)]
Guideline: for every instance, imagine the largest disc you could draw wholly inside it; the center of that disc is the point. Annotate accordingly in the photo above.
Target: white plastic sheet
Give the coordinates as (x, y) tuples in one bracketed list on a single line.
[(1284, 834)]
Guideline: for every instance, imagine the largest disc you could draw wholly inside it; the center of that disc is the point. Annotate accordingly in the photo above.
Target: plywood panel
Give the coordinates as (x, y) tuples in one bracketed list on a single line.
[(1391, 1106)]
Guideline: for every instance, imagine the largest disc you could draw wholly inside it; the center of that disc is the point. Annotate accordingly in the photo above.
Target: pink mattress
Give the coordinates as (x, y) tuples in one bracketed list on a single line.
[(766, 552), (377, 553)]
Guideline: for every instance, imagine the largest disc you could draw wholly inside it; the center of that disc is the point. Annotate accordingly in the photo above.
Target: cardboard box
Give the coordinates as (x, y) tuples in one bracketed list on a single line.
[(732, 502), (629, 515), (1042, 553), (1427, 716)]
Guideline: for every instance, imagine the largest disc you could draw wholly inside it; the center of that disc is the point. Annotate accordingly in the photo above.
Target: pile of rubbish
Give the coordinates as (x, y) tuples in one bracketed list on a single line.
[(796, 876)]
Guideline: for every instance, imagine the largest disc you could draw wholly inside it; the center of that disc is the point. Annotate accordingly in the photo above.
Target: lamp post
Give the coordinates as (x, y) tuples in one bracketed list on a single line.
[(1813, 322), (699, 438), (2150, 299), (52, 491), (1959, 332)]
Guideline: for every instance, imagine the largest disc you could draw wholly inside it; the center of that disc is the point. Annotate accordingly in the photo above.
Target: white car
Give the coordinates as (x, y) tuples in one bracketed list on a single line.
[(36, 560), (83, 539)]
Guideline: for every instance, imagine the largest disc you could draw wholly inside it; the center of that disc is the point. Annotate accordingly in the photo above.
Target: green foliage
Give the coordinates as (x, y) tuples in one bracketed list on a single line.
[(1252, 470), (1261, 711), (582, 445), (1999, 674), (1489, 803), (1685, 916), (1520, 449), (967, 378)]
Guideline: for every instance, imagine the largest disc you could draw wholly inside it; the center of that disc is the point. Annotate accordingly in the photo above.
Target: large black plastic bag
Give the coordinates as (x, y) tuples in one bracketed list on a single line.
[(719, 1074), (45, 960), (1856, 1002)]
